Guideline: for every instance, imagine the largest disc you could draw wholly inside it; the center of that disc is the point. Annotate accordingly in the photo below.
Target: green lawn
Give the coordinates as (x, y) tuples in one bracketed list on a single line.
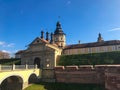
[(64, 86)]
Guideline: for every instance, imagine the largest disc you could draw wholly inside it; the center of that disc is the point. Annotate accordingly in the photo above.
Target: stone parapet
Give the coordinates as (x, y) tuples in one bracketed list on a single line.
[(86, 67), (59, 68), (69, 68)]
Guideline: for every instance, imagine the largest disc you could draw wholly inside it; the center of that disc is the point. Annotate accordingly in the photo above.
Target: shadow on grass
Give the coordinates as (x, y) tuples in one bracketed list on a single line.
[(65, 86)]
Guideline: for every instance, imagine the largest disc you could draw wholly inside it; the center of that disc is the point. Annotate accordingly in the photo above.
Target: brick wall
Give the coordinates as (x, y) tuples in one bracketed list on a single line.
[(82, 74), (48, 75), (108, 75), (112, 77)]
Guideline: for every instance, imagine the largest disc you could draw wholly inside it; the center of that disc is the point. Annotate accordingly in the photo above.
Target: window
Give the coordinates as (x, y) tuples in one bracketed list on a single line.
[(89, 50), (56, 39), (105, 49), (37, 41), (97, 49), (83, 50), (113, 48)]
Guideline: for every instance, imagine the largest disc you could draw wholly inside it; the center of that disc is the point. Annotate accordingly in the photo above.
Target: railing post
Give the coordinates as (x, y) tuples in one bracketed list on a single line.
[(0, 67), (35, 66), (13, 67), (26, 66)]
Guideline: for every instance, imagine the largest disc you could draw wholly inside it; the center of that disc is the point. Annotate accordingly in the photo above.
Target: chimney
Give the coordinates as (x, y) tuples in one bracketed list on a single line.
[(42, 34), (52, 38), (79, 42), (47, 36)]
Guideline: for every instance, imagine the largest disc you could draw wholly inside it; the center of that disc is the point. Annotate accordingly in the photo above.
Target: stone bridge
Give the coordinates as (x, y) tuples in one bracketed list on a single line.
[(17, 77)]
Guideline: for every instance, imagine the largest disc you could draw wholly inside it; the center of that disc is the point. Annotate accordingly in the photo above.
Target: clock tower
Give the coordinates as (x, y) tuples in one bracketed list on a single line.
[(59, 36)]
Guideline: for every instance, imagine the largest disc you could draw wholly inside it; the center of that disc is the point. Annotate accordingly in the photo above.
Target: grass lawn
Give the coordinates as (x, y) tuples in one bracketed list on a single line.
[(64, 86)]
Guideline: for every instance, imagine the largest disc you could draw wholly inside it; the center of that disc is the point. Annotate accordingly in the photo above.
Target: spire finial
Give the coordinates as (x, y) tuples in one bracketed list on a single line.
[(99, 34), (59, 17)]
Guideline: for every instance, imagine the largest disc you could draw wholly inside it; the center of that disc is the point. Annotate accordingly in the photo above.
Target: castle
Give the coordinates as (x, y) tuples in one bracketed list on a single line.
[(45, 52)]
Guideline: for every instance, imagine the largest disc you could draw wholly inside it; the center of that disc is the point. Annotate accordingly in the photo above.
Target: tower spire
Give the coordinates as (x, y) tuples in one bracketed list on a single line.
[(58, 28), (100, 39), (59, 35)]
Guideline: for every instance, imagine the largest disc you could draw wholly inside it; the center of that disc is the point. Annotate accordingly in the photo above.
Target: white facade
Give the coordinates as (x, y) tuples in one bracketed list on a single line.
[(92, 50)]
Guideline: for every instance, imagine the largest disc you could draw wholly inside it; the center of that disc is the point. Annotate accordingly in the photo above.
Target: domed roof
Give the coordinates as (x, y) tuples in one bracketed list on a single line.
[(58, 29)]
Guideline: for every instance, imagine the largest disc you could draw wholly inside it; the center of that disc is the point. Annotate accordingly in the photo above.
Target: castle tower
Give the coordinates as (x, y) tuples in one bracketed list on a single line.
[(59, 36), (100, 39)]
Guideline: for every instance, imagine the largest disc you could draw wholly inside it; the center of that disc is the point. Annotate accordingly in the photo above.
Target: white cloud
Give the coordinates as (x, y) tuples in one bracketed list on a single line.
[(11, 53), (6, 51), (10, 45), (115, 29), (4, 44)]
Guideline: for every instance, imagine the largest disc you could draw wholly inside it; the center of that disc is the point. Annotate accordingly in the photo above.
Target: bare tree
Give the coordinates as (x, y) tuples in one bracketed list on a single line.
[(4, 55)]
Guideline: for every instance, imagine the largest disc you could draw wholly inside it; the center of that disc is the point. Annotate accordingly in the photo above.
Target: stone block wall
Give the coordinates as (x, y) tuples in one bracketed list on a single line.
[(108, 75), (112, 77), (82, 74), (100, 70), (48, 75)]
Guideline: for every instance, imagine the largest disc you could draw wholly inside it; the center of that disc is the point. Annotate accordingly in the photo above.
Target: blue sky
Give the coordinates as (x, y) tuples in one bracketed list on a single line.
[(22, 20)]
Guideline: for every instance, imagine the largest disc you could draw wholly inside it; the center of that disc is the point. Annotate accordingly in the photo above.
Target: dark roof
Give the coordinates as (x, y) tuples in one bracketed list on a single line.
[(19, 52), (58, 29), (41, 39), (93, 44)]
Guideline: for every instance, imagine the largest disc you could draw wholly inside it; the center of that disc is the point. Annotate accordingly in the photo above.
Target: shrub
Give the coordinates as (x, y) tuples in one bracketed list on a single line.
[(90, 59)]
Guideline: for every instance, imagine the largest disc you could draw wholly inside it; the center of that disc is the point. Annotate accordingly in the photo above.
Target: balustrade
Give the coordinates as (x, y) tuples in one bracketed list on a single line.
[(16, 67)]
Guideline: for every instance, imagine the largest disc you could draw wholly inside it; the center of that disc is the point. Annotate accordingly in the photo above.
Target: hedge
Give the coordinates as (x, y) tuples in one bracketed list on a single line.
[(10, 61), (90, 59)]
